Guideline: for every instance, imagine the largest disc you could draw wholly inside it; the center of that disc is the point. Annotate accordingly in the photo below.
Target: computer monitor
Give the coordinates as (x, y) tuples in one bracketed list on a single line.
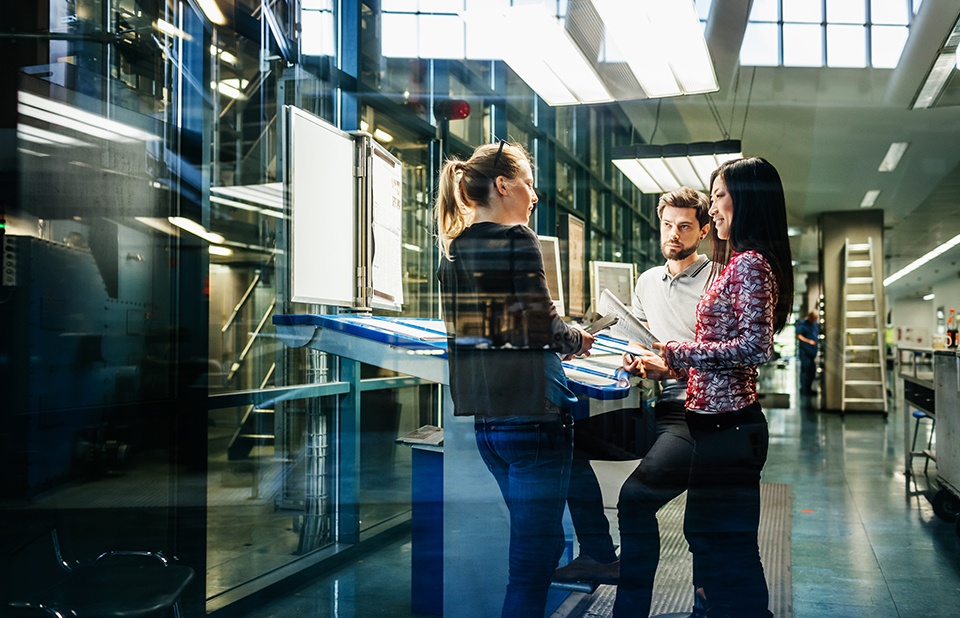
[(618, 277), (550, 248)]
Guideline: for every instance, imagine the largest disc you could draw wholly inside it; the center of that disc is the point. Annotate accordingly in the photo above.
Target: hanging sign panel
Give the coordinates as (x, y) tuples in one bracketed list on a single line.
[(323, 211), (387, 247)]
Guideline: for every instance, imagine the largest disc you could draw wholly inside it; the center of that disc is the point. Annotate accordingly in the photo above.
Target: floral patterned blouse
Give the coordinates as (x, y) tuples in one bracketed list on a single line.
[(734, 335)]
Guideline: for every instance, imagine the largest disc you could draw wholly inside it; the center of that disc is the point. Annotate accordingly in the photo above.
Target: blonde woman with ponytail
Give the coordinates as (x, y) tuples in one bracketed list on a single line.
[(506, 342)]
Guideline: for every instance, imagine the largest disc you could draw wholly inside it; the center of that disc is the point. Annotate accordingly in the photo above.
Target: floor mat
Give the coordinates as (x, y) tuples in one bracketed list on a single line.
[(672, 590)]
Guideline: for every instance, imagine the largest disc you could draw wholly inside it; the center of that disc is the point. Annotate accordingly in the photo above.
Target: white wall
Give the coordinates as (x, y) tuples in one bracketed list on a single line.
[(913, 321)]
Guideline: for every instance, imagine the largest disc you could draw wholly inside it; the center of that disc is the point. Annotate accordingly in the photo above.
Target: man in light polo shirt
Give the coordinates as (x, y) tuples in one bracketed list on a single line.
[(666, 299)]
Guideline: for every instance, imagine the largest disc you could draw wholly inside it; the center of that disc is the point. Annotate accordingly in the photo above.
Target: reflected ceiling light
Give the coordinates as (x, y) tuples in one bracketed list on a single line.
[(212, 11), (220, 250), (268, 194), (170, 30), (662, 43), (77, 119), (248, 207), (892, 158), (223, 55), (869, 198), (161, 225), (538, 49), (917, 263), (189, 225), (42, 136), (658, 169), (382, 135), (232, 87)]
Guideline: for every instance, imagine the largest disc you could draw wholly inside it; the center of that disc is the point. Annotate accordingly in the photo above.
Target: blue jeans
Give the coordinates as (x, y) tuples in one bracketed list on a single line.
[(723, 510), (530, 460)]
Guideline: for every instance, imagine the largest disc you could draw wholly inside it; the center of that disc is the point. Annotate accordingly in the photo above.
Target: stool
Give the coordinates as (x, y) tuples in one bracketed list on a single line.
[(919, 415)]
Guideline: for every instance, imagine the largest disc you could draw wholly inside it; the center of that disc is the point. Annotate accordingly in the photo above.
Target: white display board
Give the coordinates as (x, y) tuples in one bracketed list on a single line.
[(550, 248), (387, 262), (323, 211)]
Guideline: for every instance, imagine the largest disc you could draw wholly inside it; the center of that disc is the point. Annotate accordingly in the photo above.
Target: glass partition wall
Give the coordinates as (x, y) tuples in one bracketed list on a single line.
[(147, 218)]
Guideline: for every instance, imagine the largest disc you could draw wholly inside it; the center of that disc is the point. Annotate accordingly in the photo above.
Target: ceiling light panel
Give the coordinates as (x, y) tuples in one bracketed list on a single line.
[(893, 156)]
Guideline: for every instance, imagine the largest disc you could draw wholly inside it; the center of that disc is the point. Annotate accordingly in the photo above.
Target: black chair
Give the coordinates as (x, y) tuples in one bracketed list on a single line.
[(40, 581)]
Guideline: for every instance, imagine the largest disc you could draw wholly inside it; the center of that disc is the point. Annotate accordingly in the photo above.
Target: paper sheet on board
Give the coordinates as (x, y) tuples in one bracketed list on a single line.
[(628, 325)]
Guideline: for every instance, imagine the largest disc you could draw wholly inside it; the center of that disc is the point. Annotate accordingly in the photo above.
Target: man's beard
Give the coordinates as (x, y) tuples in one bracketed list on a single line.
[(677, 254)]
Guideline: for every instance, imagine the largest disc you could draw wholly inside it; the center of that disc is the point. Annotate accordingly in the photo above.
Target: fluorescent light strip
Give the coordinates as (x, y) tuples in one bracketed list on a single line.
[(212, 11), (936, 80), (869, 198), (80, 120), (929, 297), (248, 207), (170, 30), (42, 136), (632, 169), (914, 265), (220, 250), (893, 156), (541, 53), (196, 229), (268, 194), (628, 24), (662, 43)]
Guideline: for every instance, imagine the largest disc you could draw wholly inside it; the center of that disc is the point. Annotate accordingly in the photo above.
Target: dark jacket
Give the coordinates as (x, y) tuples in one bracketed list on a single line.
[(505, 333)]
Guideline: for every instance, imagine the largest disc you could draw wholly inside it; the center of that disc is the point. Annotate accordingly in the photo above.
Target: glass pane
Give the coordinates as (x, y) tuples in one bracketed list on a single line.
[(441, 36), (846, 12), (409, 6), (317, 34), (764, 10), (564, 183), (441, 6), (887, 44), (802, 45), (703, 9), (893, 12), (761, 44), (396, 40), (809, 11), (846, 46)]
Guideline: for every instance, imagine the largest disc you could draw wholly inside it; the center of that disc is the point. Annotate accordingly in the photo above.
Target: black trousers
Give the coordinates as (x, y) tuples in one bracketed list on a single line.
[(723, 510), (660, 477)]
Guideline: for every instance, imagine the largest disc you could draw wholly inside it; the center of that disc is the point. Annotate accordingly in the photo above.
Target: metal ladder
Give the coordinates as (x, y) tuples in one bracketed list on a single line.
[(864, 371)]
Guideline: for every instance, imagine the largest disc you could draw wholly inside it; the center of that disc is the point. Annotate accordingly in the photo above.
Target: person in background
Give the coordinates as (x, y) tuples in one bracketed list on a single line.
[(666, 298), (737, 319), (504, 347), (808, 342)]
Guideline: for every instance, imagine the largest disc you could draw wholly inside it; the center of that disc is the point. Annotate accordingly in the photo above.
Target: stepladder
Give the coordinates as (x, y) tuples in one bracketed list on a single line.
[(863, 376)]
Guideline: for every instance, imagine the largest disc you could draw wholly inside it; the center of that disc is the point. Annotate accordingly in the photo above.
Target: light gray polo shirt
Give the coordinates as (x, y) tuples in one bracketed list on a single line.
[(668, 304)]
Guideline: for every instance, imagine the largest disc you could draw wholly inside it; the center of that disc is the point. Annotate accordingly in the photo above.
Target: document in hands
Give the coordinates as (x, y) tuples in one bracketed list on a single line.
[(628, 324)]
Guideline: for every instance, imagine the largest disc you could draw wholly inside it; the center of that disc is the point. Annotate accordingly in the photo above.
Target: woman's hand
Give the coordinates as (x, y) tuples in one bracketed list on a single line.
[(655, 367)]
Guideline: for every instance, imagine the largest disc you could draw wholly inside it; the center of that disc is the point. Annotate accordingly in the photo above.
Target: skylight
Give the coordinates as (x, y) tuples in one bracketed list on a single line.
[(834, 33)]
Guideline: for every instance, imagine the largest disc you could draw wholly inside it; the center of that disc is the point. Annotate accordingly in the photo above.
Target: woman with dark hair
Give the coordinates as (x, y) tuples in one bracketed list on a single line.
[(737, 318), (505, 342)]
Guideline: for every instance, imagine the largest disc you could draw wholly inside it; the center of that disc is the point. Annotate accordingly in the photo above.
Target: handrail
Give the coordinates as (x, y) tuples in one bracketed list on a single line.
[(253, 337), (245, 297)]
